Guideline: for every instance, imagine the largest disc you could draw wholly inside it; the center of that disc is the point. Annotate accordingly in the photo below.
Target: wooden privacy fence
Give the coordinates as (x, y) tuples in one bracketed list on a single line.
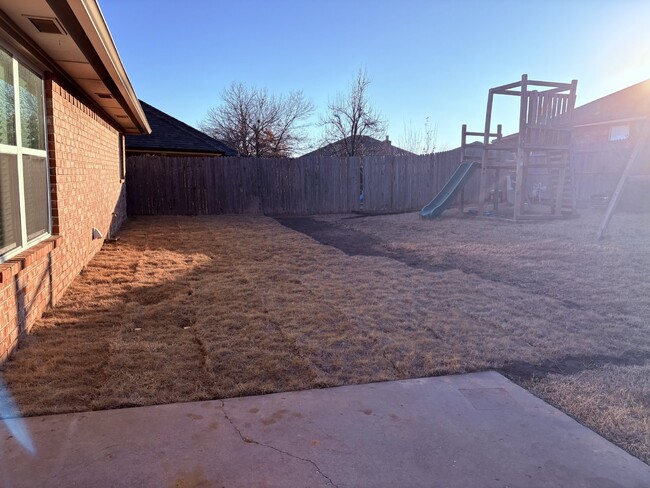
[(304, 186), (598, 169)]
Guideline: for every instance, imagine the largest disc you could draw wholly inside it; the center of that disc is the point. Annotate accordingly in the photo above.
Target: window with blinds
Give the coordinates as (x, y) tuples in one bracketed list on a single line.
[(9, 204), (37, 215), (24, 176)]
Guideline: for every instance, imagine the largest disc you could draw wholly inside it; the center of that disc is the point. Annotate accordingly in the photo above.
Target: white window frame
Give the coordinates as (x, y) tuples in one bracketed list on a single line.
[(19, 151), (122, 157)]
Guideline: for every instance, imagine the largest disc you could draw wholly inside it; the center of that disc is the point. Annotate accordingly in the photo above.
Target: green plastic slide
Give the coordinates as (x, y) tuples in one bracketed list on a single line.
[(442, 200)]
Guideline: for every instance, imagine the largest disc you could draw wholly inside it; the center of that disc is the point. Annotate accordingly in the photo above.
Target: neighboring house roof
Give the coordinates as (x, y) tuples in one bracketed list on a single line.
[(369, 146), (71, 38), (169, 134), (629, 103)]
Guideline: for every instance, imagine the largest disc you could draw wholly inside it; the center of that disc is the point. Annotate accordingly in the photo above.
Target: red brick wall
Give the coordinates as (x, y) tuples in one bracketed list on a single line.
[(86, 190)]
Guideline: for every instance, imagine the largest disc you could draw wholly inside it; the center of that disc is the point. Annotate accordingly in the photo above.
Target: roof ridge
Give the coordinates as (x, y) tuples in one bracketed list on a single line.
[(188, 129), (370, 141)]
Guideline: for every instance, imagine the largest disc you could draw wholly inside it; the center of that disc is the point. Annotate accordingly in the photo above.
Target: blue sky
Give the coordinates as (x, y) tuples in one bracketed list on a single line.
[(433, 59)]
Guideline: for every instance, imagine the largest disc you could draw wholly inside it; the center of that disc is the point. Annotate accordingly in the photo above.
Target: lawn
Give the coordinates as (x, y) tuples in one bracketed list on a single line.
[(183, 309)]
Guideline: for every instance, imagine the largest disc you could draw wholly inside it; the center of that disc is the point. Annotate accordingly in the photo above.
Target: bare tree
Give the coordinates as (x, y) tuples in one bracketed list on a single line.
[(419, 141), (350, 116), (257, 124)]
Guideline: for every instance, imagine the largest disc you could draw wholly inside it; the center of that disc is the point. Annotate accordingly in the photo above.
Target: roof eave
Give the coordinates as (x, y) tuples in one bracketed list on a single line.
[(89, 22)]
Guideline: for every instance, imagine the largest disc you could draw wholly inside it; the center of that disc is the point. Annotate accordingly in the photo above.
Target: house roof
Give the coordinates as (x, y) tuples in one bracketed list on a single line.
[(169, 134), (629, 103), (369, 147), (74, 42)]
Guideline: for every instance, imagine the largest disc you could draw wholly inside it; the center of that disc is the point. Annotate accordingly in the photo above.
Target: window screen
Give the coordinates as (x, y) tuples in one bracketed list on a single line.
[(32, 118), (36, 196), (7, 106), (9, 204)]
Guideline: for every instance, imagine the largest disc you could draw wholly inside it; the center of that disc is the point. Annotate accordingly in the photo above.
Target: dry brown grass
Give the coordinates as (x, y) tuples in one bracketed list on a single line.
[(229, 306)]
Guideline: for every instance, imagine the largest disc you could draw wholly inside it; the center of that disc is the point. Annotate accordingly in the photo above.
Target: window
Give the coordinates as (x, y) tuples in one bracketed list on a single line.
[(24, 178), (122, 169), (619, 133)]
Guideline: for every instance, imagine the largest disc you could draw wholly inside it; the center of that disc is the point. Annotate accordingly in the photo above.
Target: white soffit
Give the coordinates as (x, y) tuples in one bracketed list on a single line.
[(63, 50)]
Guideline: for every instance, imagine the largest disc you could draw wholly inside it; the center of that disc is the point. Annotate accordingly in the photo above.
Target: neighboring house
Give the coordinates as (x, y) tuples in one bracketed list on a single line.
[(605, 132), (65, 104), (368, 146), (612, 119), (171, 137)]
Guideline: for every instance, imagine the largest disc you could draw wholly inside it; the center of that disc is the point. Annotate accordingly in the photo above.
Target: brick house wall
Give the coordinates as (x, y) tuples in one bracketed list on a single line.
[(86, 191)]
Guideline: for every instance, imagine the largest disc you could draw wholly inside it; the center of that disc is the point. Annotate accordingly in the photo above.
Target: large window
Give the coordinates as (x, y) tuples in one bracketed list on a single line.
[(24, 181)]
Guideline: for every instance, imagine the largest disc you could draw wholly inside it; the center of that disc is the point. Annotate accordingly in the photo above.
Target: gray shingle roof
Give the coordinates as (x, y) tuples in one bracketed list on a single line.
[(630, 102), (368, 146), (169, 134)]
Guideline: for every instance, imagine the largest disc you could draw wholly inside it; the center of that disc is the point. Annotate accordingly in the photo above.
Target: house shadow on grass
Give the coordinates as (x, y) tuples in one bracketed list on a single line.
[(127, 334)]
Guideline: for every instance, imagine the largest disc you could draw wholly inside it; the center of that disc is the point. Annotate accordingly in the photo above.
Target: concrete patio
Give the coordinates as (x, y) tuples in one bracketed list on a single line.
[(467, 430)]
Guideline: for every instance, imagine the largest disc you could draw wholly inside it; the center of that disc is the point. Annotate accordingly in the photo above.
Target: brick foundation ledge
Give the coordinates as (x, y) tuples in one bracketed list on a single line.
[(16, 264)]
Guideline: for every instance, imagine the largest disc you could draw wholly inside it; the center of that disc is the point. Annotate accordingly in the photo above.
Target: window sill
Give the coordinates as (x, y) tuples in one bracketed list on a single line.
[(17, 263)]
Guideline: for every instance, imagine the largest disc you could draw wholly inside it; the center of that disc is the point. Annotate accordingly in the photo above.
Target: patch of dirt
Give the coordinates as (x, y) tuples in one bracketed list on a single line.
[(571, 365), (357, 243), (353, 242)]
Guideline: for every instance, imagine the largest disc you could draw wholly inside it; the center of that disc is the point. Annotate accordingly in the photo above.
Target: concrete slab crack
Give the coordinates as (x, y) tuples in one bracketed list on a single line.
[(248, 440)]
